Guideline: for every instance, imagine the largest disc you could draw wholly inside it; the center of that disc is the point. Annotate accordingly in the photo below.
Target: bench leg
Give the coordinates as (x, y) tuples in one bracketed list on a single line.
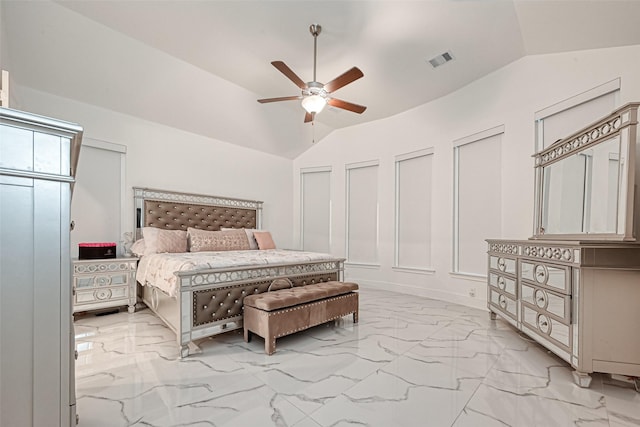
[(355, 317), (269, 345), (247, 335)]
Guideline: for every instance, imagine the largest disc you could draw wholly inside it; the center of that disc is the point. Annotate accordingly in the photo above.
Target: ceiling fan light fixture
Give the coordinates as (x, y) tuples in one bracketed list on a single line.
[(315, 95), (313, 103)]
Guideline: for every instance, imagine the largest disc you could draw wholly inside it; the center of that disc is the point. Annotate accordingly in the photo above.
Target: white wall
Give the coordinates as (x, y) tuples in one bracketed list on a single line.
[(4, 45), (509, 97), (3, 39), (171, 159), (58, 51)]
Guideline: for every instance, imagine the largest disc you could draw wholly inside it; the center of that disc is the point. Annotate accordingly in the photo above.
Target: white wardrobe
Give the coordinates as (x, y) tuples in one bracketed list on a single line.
[(38, 158)]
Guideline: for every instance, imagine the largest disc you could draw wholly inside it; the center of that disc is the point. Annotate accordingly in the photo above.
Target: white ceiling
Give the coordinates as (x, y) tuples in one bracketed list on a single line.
[(132, 56)]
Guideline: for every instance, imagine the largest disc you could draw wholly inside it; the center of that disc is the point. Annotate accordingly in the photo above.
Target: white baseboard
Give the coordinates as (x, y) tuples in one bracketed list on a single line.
[(479, 303)]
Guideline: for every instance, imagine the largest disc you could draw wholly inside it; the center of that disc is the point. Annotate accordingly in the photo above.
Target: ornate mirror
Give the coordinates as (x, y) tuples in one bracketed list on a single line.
[(586, 183)]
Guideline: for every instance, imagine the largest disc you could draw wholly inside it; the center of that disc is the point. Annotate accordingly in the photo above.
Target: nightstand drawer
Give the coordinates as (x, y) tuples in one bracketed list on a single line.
[(103, 266), (96, 281), (90, 296)]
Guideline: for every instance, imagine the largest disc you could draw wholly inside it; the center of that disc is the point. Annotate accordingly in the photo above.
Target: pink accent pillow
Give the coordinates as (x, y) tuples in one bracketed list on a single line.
[(228, 240), (157, 241), (264, 239), (252, 241)]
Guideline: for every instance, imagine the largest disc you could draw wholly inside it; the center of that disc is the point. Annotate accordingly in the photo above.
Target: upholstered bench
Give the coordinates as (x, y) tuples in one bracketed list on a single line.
[(275, 314)]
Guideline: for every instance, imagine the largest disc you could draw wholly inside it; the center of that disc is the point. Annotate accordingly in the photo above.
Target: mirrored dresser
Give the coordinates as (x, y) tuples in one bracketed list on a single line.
[(574, 286)]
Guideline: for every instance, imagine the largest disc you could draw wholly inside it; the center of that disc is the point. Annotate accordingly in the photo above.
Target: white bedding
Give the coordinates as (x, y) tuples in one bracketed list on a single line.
[(158, 269)]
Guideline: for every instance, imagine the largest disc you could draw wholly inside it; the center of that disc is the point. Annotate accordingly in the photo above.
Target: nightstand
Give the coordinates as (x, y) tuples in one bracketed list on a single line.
[(104, 283)]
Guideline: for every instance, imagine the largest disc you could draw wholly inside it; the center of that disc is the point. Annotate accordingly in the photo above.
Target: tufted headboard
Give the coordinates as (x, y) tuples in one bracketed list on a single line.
[(176, 211)]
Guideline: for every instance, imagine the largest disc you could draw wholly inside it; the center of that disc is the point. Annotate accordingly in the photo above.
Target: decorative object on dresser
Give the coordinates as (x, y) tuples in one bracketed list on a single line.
[(38, 160), (200, 293), (104, 283), (574, 286), (283, 312), (127, 242)]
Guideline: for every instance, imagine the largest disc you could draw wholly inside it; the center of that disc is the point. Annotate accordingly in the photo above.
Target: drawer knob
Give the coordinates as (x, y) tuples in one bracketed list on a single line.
[(102, 294), (502, 300), (544, 324), (502, 283), (541, 298), (540, 273), (502, 265), (103, 280)]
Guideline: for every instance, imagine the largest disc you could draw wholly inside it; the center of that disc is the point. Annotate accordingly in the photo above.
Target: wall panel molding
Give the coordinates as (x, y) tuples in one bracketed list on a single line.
[(413, 210), (362, 214)]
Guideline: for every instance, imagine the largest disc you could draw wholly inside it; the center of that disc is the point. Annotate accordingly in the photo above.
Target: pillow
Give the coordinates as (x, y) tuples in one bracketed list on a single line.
[(264, 239), (138, 248), (252, 241), (158, 241), (227, 240)]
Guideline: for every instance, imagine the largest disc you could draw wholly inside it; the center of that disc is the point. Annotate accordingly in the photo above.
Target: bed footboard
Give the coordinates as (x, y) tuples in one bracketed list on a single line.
[(211, 301)]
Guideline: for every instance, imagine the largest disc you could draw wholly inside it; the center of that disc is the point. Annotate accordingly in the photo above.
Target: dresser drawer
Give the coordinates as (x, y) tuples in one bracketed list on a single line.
[(547, 302), (546, 327), (503, 264), (555, 277), (112, 294), (504, 283), (502, 303)]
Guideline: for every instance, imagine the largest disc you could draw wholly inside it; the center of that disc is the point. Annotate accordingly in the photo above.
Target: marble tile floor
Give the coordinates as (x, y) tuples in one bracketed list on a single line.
[(410, 361)]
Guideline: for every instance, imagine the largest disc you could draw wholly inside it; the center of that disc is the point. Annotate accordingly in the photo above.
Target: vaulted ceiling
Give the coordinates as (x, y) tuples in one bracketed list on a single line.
[(201, 65)]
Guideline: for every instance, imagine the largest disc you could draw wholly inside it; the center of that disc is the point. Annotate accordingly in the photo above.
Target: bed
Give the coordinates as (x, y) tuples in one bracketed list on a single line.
[(200, 294)]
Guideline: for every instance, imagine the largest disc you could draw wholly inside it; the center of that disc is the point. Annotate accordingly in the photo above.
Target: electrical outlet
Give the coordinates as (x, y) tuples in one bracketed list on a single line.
[(472, 292)]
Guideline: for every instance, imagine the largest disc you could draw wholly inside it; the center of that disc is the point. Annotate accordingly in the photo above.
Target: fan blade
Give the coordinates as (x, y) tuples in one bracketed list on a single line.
[(343, 79), (282, 98), (308, 117), (339, 103), (282, 67)]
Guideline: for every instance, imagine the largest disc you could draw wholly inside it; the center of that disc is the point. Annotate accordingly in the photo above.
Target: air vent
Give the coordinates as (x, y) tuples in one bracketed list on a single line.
[(441, 59)]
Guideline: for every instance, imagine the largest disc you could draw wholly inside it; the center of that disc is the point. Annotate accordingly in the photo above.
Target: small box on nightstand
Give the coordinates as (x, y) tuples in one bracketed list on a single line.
[(96, 250)]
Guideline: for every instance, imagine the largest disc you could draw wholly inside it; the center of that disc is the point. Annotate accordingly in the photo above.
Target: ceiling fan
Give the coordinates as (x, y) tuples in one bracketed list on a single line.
[(316, 95)]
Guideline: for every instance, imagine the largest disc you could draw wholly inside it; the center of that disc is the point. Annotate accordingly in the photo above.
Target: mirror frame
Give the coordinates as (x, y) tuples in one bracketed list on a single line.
[(623, 123)]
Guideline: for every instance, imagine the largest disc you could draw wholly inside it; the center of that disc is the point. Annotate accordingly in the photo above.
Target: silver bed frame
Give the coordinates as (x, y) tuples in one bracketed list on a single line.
[(191, 314)]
